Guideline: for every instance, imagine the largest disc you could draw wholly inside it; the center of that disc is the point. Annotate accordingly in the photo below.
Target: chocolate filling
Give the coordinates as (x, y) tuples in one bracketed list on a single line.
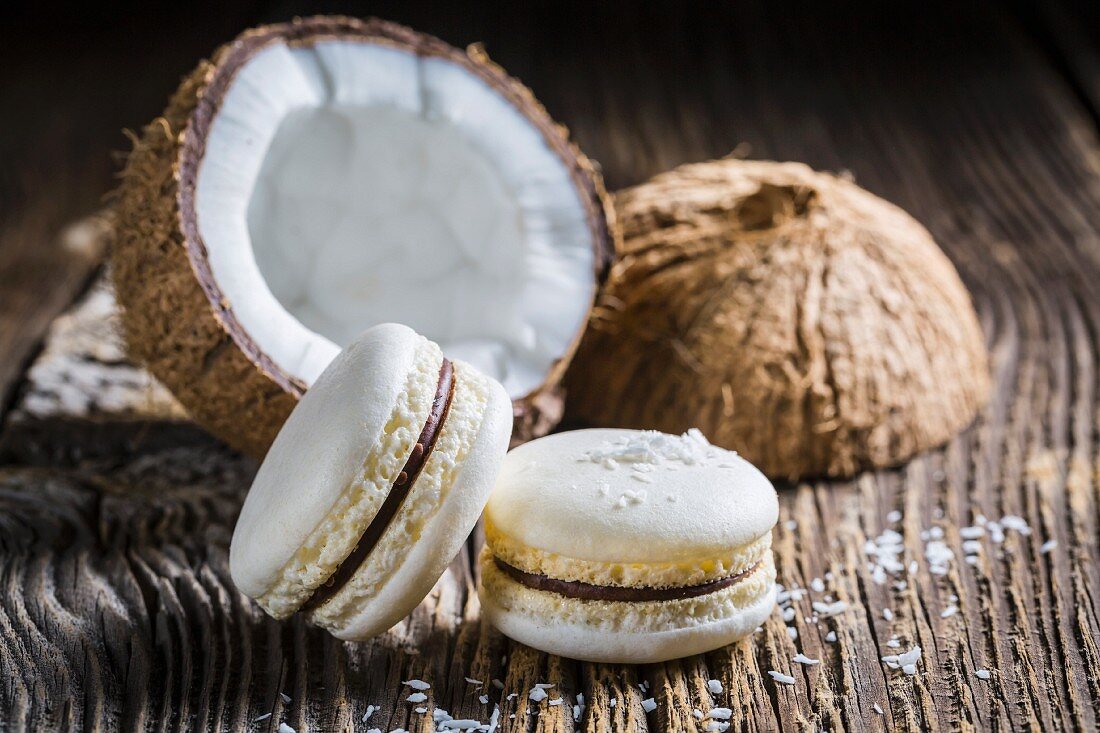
[(400, 489), (590, 592)]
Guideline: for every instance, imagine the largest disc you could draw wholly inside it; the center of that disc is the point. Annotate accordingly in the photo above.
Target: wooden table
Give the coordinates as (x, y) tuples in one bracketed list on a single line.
[(116, 606)]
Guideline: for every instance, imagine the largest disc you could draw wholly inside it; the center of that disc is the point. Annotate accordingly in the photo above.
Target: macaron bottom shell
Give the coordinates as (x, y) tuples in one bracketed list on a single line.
[(632, 632)]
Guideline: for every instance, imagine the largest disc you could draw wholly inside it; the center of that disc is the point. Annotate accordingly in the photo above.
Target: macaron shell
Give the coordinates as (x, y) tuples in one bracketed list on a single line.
[(319, 451), (551, 497), (611, 633), (441, 538)]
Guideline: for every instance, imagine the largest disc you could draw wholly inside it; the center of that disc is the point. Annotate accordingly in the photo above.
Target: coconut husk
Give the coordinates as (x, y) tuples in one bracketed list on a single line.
[(789, 314)]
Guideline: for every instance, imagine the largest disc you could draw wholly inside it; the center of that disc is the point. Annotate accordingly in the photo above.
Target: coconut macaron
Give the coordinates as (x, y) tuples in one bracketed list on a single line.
[(372, 485), (628, 546)]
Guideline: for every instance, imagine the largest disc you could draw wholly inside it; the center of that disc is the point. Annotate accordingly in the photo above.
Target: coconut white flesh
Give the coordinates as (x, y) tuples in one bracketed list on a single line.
[(346, 184)]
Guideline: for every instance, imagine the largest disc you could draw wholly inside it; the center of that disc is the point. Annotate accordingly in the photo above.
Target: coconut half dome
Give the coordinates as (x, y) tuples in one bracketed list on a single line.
[(319, 177), (789, 314)]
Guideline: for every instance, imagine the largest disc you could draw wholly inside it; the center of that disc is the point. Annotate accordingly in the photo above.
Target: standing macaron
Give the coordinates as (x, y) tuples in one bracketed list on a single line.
[(628, 546), (372, 485)]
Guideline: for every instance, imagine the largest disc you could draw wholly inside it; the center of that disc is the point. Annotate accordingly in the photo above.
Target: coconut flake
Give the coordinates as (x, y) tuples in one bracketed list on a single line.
[(417, 684), (983, 674), (906, 662), (1047, 546), (801, 658), (828, 610), (786, 679), (949, 611), (649, 705), (537, 694), (939, 557), (720, 713), (417, 697)]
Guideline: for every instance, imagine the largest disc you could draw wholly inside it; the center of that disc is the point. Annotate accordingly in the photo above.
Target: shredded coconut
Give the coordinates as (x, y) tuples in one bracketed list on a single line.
[(1047, 546), (417, 697), (983, 674), (786, 679), (828, 610), (720, 713), (715, 687), (949, 611), (878, 708), (472, 681), (653, 448), (803, 659), (417, 684), (906, 662), (537, 694), (939, 557), (368, 713)]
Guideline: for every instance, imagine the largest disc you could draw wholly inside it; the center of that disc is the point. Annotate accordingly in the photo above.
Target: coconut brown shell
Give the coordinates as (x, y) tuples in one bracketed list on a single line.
[(789, 314), (176, 320)]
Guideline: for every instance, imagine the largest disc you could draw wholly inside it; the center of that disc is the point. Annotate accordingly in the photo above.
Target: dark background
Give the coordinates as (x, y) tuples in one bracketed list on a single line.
[(74, 76)]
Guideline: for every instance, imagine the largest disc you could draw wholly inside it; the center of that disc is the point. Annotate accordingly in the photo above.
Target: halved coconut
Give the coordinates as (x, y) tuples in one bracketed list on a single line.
[(318, 177)]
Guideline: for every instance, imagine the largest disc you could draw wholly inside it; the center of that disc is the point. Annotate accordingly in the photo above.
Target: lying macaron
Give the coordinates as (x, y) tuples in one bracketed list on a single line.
[(372, 485), (628, 546)]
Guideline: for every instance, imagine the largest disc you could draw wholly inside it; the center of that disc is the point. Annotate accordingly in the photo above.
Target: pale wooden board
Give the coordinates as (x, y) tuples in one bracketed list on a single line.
[(117, 610), (82, 397)]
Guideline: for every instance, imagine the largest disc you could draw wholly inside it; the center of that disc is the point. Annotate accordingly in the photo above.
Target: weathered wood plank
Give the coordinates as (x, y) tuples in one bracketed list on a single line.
[(82, 398), (116, 607)]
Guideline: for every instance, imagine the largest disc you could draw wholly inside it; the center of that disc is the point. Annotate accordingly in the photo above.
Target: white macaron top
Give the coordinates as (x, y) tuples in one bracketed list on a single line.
[(319, 451), (630, 496)]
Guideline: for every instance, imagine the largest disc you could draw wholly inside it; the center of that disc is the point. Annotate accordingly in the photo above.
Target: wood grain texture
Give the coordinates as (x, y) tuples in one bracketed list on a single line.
[(116, 608)]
